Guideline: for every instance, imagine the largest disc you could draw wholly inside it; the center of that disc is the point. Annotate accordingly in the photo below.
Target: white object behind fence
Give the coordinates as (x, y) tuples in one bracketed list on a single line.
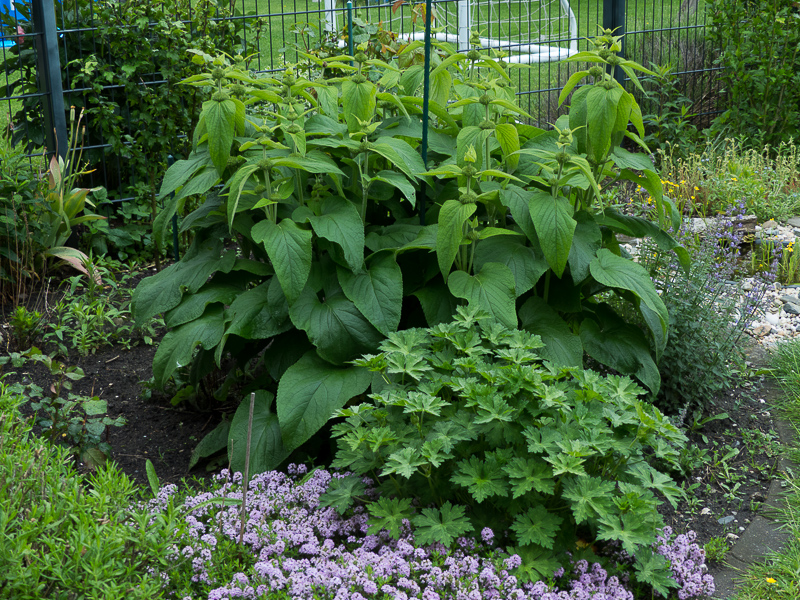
[(531, 31)]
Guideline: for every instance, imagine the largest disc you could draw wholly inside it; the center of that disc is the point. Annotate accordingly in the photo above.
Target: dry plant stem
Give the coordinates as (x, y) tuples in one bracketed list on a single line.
[(246, 479)]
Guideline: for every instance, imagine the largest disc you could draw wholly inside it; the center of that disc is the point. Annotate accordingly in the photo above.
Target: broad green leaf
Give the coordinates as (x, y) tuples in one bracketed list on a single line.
[(310, 391), (313, 162), (537, 526), (654, 569), (652, 479), (377, 292), (452, 217), (621, 346), (289, 250), (341, 223), (537, 563), (182, 170), (570, 85), (267, 451), (517, 200), (601, 107), (336, 327), (617, 272), (400, 182), (625, 159), (163, 291), (443, 526), (525, 265), (508, 136), (492, 290), (358, 103), (220, 121), (401, 155), (252, 317), (177, 346), (629, 529), (638, 227), (586, 241), (440, 82), (327, 98), (555, 226), (438, 304), (212, 443), (236, 185), (562, 346), (194, 305)]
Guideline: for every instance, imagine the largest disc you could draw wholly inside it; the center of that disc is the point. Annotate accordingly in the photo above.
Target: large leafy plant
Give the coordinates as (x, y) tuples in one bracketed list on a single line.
[(318, 247), (467, 415)]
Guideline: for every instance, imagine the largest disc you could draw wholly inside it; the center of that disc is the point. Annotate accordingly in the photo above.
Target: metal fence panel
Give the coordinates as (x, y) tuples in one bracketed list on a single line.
[(660, 32)]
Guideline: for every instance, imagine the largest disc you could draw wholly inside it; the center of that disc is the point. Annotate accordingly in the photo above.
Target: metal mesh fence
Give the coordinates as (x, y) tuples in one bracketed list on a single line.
[(660, 32)]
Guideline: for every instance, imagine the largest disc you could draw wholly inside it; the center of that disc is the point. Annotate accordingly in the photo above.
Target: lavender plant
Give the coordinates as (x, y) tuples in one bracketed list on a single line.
[(296, 548), (708, 315), (470, 420)]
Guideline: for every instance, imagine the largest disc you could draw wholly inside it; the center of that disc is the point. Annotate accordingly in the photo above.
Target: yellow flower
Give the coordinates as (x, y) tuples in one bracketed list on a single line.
[(692, 197), (696, 189), (734, 179), (771, 580), (683, 181)]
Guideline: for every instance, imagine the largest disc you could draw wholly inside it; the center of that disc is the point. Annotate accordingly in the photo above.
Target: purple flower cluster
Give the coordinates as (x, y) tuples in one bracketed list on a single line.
[(302, 550), (687, 561)]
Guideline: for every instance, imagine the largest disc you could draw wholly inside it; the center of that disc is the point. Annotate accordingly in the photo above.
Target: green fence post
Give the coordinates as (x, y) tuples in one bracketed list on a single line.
[(48, 65), (614, 18)]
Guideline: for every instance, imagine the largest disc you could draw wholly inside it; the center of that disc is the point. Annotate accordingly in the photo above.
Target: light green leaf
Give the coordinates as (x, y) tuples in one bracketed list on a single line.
[(358, 103), (310, 391), (220, 121), (586, 241), (508, 136), (590, 497), (482, 478), (442, 526), (400, 182), (555, 226), (452, 217)]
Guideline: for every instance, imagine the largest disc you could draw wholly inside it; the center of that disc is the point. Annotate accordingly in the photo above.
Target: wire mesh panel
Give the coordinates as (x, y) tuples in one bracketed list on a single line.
[(272, 32), (529, 30)]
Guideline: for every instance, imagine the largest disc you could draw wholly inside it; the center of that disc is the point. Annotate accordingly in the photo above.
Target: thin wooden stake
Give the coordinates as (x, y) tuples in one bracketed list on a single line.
[(246, 480)]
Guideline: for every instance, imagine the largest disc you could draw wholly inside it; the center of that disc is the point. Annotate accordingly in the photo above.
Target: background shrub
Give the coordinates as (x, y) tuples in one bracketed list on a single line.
[(760, 57), (125, 75)]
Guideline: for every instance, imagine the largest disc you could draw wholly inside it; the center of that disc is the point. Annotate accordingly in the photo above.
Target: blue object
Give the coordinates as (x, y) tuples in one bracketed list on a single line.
[(7, 7)]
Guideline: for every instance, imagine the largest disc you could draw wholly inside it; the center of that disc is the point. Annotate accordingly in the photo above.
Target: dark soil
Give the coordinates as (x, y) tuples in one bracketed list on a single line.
[(724, 489)]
